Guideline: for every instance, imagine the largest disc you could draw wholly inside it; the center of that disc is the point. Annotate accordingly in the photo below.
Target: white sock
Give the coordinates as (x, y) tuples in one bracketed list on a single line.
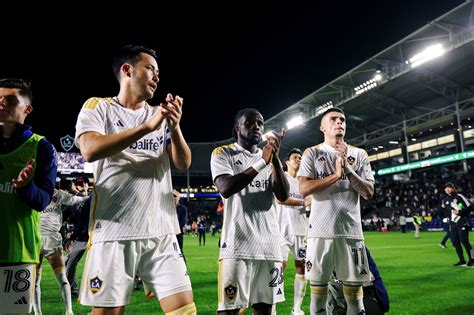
[(354, 296), (319, 297), (37, 297), (65, 288), (300, 290)]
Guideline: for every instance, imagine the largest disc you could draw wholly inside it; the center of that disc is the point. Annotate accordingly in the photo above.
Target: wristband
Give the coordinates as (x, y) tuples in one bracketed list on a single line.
[(260, 165), (348, 169)]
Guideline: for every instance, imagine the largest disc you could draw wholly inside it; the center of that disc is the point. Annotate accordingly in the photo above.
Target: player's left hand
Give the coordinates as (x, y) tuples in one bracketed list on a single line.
[(173, 110), (25, 176), (341, 150), (275, 140)]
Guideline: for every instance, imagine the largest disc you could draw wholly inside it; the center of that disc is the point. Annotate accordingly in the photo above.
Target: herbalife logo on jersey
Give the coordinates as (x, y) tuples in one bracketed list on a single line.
[(322, 174), (7, 187), (148, 144)]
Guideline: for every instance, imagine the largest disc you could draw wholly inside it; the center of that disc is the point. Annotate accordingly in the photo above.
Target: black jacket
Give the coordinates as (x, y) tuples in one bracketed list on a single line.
[(463, 205)]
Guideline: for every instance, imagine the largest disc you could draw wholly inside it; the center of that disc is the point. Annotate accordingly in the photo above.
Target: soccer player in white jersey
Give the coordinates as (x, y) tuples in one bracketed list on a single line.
[(335, 175), (52, 244), (133, 219), (247, 177), (294, 226)]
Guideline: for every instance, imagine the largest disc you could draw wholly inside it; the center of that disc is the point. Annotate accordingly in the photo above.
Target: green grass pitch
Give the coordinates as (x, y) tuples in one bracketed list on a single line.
[(418, 274)]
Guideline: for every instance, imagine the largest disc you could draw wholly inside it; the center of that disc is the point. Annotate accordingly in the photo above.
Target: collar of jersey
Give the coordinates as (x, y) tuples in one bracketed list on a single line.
[(247, 151)]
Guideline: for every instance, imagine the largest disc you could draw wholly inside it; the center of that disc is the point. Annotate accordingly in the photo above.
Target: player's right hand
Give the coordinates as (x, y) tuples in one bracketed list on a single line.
[(268, 152), (156, 120), (339, 167), (25, 176)]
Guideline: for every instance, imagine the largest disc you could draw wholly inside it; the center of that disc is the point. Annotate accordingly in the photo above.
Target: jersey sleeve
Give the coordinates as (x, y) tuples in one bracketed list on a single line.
[(71, 200), (220, 163), (91, 118), (307, 165), (365, 170)]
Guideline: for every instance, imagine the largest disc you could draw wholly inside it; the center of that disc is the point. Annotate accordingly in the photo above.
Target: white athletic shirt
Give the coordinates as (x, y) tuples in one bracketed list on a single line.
[(293, 220), (335, 211), (133, 190), (250, 228), (52, 217)]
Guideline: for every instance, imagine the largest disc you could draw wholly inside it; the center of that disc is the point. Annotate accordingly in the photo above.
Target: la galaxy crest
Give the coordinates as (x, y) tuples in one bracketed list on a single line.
[(95, 284), (230, 291), (67, 142)]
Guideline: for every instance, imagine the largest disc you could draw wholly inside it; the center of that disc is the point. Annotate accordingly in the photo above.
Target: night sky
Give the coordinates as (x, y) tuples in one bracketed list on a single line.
[(241, 56)]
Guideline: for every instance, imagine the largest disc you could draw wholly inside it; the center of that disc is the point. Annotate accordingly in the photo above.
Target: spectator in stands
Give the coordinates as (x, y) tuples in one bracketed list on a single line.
[(460, 223)]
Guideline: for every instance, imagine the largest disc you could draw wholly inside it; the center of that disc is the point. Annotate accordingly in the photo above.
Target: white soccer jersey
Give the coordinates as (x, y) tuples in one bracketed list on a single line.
[(52, 217), (335, 211), (294, 215), (250, 228), (133, 190)]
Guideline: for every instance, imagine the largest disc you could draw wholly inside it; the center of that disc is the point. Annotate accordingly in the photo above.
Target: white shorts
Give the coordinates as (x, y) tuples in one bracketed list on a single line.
[(17, 288), (51, 243), (297, 245), (347, 257), (110, 269), (244, 282)]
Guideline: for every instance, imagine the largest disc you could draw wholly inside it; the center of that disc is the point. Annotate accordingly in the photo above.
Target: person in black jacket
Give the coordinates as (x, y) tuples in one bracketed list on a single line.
[(460, 223), (79, 239), (182, 213)]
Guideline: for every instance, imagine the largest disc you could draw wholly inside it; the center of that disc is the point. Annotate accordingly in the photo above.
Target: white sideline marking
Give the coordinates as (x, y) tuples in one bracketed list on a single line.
[(402, 246)]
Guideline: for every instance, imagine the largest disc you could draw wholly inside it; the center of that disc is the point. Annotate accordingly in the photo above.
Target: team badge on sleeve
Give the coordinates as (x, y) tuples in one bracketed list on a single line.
[(230, 291), (309, 265), (95, 284), (351, 160)]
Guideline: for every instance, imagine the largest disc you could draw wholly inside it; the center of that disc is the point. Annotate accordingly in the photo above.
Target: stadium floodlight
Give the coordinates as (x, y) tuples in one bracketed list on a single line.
[(294, 122), (321, 109), (393, 142), (366, 86), (427, 54), (378, 75)]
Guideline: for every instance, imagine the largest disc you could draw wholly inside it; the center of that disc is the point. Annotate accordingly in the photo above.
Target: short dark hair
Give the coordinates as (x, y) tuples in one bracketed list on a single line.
[(129, 54), (239, 114), (23, 85), (332, 109), (294, 150)]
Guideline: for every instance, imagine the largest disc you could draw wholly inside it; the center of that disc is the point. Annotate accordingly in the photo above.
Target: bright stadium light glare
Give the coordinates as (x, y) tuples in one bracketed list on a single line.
[(428, 54), (393, 142), (364, 87), (267, 135), (293, 122), (378, 76), (321, 109)]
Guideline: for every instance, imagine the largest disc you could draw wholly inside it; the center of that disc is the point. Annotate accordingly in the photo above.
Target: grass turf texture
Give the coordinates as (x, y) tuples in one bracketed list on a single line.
[(418, 274)]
